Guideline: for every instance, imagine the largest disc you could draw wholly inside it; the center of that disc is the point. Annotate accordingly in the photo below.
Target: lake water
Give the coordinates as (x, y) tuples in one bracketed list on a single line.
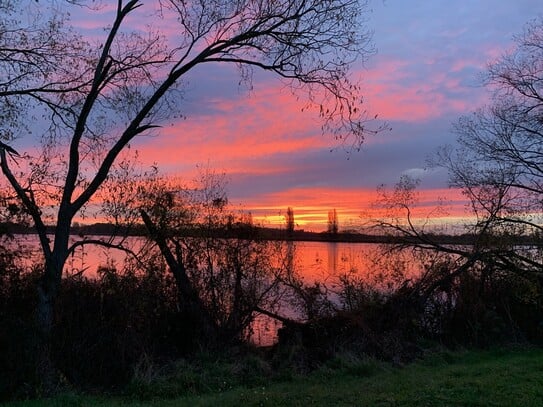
[(327, 262), (314, 261)]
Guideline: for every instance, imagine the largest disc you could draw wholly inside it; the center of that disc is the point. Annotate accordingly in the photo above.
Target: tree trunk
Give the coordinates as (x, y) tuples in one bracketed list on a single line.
[(47, 374), (189, 301)]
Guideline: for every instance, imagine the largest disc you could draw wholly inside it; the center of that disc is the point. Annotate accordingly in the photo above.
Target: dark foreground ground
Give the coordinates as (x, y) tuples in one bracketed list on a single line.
[(511, 377)]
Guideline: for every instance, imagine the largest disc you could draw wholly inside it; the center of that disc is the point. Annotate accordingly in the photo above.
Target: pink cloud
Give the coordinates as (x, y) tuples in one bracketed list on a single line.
[(260, 125), (398, 92)]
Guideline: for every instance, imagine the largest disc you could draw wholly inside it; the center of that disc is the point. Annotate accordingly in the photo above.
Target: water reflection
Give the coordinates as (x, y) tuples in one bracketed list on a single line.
[(321, 261), (311, 260), (324, 262)]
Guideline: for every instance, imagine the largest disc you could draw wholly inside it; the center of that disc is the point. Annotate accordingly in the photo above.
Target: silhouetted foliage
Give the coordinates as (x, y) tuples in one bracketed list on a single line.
[(289, 218), (489, 290), (223, 269), (94, 98), (497, 159), (104, 328), (333, 224)]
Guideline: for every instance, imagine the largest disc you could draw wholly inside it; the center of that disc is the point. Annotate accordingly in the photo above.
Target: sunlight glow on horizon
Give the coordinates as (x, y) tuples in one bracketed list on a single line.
[(355, 207)]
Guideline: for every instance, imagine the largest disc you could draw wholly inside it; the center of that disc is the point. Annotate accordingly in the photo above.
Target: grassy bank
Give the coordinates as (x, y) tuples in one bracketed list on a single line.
[(482, 378)]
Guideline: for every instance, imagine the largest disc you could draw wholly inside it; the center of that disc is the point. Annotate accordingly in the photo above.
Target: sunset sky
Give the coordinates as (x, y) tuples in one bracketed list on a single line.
[(425, 74)]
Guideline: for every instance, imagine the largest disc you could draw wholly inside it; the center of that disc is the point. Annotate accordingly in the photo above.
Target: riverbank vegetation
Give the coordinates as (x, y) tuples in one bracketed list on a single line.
[(128, 326)]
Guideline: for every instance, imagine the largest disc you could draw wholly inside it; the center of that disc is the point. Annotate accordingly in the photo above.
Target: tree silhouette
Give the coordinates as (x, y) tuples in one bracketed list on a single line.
[(497, 164), (333, 226), (497, 161), (95, 98), (289, 217)]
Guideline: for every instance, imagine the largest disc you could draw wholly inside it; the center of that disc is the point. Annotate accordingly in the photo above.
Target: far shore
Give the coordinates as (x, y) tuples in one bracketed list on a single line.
[(268, 233)]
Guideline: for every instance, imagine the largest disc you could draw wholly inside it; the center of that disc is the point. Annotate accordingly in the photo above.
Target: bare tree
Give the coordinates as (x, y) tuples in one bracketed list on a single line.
[(497, 161), (497, 164), (96, 98)]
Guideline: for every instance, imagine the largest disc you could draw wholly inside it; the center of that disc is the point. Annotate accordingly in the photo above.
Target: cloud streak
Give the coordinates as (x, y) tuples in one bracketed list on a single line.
[(425, 75)]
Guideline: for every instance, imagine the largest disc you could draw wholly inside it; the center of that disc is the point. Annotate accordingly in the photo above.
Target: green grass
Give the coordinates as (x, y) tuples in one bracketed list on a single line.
[(474, 378)]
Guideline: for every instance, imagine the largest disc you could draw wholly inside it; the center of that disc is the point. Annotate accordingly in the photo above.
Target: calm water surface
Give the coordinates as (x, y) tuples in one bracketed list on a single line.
[(314, 261)]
